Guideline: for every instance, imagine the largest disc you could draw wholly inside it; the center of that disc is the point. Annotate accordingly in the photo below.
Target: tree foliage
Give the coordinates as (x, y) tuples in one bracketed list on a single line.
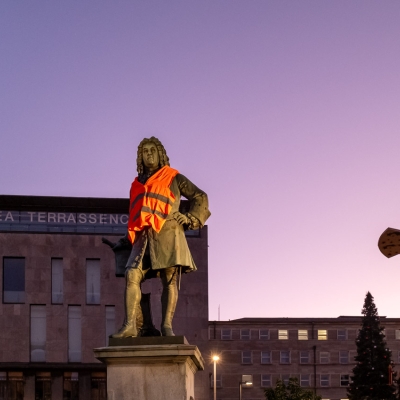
[(291, 391), (371, 377)]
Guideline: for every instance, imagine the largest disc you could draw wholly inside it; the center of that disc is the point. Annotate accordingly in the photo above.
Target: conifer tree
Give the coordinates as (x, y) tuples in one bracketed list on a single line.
[(372, 374)]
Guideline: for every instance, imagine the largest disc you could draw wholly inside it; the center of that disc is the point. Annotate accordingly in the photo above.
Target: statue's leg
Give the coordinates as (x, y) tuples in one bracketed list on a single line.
[(169, 298), (147, 327), (134, 277)]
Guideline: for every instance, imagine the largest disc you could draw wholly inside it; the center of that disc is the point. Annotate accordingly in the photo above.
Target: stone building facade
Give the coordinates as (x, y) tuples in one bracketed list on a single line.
[(318, 351), (61, 298)]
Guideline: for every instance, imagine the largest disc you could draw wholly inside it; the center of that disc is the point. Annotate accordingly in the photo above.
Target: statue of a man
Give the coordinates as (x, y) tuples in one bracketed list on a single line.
[(156, 232)]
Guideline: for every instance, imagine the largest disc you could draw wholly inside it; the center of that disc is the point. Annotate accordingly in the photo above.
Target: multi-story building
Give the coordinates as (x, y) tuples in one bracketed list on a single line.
[(319, 352), (61, 298)]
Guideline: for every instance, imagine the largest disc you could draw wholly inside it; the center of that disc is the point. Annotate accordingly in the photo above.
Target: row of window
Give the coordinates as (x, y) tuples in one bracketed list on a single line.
[(38, 328), (12, 385), (14, 280), (285, 357), (304, 380), (283, 334)]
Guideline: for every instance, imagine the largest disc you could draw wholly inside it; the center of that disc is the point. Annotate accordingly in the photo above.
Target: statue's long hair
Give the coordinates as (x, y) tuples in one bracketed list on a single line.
[(162, 154)]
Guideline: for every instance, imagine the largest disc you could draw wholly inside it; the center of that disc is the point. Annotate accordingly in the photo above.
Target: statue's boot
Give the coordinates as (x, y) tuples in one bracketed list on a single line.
[(132, 301), (169, 298)]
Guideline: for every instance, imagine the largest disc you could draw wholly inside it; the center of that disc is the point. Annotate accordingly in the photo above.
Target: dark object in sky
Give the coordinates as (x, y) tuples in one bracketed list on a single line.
[(389, 242)]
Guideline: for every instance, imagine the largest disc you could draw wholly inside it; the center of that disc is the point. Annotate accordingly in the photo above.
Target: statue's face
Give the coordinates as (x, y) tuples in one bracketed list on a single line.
[(151, 160)]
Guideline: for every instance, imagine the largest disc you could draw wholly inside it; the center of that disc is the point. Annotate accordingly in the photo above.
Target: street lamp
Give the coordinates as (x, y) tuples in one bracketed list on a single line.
[(215, 359), (241, 383)]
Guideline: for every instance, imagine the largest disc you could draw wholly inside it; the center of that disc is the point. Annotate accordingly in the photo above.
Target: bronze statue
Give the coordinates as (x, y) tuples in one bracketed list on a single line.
[(156, 233)]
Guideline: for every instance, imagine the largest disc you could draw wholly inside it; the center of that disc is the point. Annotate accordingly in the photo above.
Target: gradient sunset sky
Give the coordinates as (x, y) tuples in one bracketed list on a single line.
[(287, 113)]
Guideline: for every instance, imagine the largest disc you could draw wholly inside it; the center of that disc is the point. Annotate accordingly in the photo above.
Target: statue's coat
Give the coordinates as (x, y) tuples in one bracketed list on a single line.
[(169, 247)]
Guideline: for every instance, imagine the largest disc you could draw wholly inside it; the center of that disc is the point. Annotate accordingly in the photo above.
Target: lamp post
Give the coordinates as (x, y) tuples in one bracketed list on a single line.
[(215, 359), (241, 383)]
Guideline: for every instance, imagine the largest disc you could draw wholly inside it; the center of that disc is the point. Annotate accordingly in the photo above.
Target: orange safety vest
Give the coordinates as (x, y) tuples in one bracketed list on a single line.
[(151, 203)]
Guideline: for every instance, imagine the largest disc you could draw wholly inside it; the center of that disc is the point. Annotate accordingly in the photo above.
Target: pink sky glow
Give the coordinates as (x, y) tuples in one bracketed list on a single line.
[(287, 113)]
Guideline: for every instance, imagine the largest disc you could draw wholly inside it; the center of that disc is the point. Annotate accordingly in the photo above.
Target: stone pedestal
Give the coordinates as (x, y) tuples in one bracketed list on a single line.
[(150, 368)]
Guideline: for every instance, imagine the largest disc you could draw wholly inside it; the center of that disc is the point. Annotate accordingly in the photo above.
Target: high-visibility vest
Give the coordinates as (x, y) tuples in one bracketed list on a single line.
[(151, 203)]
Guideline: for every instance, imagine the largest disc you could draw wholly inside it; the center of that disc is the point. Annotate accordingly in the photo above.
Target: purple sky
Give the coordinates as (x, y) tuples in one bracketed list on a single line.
[(287, 113)]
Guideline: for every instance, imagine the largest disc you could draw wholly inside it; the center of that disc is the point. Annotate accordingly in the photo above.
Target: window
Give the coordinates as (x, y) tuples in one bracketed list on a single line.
[(38, 333), (71, 386), (247, 378), (11, 385), (266, 380), (218, 381), (99, 386), (93, 281), (304, 357), (3, 384), (283, 334), (265, 357), (245, 334), (344, 380), (305, 380), (285, 378), (324, 357), (210, 333), (110, 321), (322, 334), (13, 280), (285, 357), (74, 334), (397, 333), (264, 334), (247, 357), (343, 357), (302, 334), (57, 279), (342, 334), (324, 380), (226, 334), (43, 386)]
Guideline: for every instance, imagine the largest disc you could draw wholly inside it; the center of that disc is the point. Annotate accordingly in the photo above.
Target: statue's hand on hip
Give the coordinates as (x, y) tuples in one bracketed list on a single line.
[(181, 218)]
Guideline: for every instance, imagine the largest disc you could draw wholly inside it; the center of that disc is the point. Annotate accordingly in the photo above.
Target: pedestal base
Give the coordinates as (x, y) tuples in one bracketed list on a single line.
[(151, 371)]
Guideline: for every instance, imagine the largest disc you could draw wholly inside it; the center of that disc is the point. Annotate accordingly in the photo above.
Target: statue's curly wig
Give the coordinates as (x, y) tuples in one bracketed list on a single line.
[(162, 154)]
